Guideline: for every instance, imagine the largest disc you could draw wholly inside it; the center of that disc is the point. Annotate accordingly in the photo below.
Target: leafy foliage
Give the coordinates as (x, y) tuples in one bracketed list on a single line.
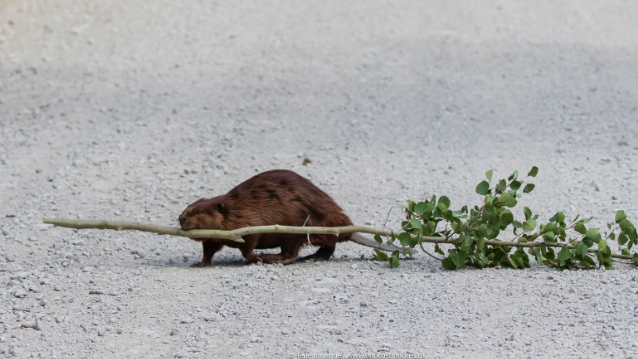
[(473, 233)]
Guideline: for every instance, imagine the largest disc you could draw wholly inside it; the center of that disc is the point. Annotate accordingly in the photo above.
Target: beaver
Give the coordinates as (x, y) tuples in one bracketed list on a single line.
[(273, 197)]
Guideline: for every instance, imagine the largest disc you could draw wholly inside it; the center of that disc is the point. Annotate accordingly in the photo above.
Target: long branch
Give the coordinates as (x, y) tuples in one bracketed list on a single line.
[(235, 235)]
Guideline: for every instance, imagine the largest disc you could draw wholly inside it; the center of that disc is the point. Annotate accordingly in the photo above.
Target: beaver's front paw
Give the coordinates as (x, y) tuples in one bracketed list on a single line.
[(201, 264)]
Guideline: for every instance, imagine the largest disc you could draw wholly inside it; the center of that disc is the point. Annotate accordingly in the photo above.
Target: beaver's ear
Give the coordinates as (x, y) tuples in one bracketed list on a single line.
[(220, 207)]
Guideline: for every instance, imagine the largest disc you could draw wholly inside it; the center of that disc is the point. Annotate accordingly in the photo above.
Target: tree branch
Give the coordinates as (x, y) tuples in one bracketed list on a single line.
[(235, 235)]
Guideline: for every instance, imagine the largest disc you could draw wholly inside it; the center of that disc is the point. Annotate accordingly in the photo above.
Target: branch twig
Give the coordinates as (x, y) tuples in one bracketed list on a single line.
[(235, 235)]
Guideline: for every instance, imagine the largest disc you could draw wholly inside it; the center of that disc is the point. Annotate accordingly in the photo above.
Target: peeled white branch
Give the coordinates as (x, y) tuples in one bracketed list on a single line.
[(235, 235)]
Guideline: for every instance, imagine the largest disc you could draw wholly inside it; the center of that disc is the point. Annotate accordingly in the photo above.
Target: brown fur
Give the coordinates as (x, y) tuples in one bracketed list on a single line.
[(274, 197)]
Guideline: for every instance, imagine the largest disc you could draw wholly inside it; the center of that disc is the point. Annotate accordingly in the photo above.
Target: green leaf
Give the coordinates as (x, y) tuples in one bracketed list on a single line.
[(603, 247), (587, 262), (378, 238), (394, 260), (515, 185), (581, 250), (549, 227), (580, 228), (466, 243), (420, 208), (517, 224), (622, 239), (482, 228), (625, 251), (417, 240), (549, 236), (459, 259), (626, 226), (482, 260), (380, 256), (438, 249), (564, 254), (445, 201), (533, 172), (448, 264), (529, 188), (488, 174), (483, 188), (635, 258), (415, 223), (620, 215), (432, 226), (405, 239), (560, 218), (456, 227), (507, 200), (593, 235), (528, 213), (529, 226), (512, 176), (501, 185), (506, 218)]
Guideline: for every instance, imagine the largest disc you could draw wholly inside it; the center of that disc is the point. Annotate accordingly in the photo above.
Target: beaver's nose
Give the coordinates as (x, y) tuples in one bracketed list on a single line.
[(182, 219)]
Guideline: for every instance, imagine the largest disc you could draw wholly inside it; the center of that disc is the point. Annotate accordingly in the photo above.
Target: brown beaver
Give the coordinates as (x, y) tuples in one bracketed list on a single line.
[(273, 197)]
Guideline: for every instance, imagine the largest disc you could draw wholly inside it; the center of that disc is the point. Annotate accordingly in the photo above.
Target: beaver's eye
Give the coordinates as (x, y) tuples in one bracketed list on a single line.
[(199, 211)]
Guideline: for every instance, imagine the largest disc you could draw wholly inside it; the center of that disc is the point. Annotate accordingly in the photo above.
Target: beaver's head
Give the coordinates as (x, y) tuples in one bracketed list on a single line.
[(203, 214)]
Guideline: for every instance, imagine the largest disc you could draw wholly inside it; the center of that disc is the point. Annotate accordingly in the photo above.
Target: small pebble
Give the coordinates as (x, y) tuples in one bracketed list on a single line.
[(20, 275), (174, 332), (139, 252), (31, 325)]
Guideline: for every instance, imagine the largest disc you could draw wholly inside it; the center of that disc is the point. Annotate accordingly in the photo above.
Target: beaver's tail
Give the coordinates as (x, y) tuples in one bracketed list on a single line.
[(361, 239)]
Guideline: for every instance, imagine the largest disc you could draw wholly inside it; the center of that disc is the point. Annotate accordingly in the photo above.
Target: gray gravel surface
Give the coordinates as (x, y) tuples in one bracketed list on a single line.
[(130, 110)]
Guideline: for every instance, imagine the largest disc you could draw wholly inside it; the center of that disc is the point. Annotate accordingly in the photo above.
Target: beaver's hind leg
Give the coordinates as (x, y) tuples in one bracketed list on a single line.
[(323, 253), (289, 251)]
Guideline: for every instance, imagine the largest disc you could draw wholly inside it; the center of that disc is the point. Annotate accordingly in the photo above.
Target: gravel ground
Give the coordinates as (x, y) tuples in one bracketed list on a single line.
[(130, 110)]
